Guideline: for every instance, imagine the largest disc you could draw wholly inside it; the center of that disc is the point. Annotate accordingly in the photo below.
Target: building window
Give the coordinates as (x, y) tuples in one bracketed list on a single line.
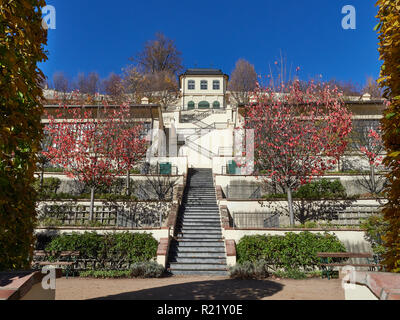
[(204, 105), (216, 105), (204, 85), (191, 85), (191, 105), (216, 85)]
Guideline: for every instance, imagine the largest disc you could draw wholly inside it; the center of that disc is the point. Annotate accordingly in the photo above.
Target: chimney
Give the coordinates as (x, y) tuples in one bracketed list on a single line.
[(145, 100)]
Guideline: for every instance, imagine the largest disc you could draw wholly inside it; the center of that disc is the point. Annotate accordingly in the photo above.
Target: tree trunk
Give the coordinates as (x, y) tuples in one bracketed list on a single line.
[(41, 178), (91, 203), (373, 182), (128, 183), (290, 204)]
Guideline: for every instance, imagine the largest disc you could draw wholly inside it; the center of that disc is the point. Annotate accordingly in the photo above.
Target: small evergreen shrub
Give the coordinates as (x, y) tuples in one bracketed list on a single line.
[(321, 189), (293, 251), (149, 269), (105, 274), (318, 189), (49, 187), (375, 228), (250, 270)]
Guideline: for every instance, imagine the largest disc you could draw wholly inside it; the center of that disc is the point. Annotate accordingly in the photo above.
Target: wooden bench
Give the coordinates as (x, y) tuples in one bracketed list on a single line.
[(328, 267), (67, 259)]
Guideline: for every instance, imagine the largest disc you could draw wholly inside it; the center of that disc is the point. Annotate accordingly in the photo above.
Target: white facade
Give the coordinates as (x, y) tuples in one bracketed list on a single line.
[(203, 120), (208, 87)]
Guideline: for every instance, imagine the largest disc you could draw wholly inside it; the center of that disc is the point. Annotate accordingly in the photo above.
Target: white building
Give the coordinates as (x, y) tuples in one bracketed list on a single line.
[(203, 89), (203, 120)]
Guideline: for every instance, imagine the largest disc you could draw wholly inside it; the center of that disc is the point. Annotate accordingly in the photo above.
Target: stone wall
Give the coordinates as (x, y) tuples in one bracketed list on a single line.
[(252, 187)]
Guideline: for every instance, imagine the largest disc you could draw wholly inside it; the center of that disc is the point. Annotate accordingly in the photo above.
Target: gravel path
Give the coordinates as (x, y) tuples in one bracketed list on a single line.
[(198, 288)]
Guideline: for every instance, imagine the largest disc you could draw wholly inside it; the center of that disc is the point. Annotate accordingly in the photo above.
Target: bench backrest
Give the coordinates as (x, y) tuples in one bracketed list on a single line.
[(39, 253)]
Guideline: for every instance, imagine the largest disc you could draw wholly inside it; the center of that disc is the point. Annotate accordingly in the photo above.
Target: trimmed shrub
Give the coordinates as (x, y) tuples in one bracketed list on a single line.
[(110, 251), (375, 229), (315, 190), (148, 269), (50, 185), (320, 189), (250, 270), (105, 274), (292, 251)]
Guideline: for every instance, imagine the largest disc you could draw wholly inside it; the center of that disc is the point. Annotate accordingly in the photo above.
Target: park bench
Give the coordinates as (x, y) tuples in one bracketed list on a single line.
[(327, 267), (67, 259)]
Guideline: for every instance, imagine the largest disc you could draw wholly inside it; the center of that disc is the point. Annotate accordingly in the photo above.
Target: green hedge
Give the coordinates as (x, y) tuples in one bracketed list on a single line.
[(318, 189), (149, 269), (108, 251), (290, 252)]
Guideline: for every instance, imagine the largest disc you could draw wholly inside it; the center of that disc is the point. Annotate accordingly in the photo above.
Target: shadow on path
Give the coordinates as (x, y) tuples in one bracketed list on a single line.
[(204, 290)]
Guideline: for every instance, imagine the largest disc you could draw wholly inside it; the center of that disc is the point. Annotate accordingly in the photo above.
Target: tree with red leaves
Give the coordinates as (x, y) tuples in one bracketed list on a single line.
[(133, 147), (299, 133), (370, 144), (92, 145)]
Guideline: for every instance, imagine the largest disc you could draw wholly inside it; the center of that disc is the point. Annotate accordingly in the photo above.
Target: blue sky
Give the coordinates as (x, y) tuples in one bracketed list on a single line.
[(99, 35)]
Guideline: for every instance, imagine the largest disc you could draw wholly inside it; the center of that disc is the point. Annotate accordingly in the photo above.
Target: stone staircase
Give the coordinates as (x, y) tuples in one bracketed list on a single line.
[(198, 248)]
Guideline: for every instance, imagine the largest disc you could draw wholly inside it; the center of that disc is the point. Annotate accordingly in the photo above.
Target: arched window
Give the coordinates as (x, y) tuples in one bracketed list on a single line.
[(216, 105), (204, 105), (191, 105)]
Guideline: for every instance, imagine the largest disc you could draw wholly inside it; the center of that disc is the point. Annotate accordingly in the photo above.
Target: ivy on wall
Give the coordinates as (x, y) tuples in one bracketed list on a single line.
[(21, 47), (389, 49)]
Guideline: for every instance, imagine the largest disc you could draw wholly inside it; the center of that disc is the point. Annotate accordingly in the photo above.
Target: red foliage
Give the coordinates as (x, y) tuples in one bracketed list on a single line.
[(299, 134), (94, 148)]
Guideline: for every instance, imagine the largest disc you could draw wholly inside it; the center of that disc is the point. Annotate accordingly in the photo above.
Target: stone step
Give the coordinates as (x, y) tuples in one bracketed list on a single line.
[(201, 209), (206, 245), (199, 219), (199, 216), (195, 255), (194, 237), (212, 200), (198, 250), (200, 187), (205, 211), (201, 231), (199, 223), (200, 196), (195, 207), (199, 260), (198, 273), (198, 266), (197, 203), (200, 228)]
